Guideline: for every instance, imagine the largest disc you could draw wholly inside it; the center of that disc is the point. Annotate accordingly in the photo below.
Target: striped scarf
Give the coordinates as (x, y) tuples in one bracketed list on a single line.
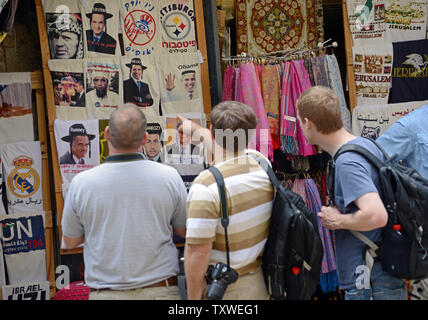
[(270, 82), (328, 279)]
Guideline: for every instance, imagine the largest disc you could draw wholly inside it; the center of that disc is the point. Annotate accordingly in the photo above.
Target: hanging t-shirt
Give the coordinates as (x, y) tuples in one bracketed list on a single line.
[(180, 83), (27, 291), (372, 72), (366, 21), (22, 164), (16, 109), (140, 83), (68, 82), (409, 72), (405, 20), (177, 24), (103, 87), (24, 246), (64, 29), (140, 27), (85, 156), (101, 27)]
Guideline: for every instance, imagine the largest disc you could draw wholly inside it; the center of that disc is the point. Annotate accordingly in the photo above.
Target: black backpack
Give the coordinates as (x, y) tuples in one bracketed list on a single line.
[(293, 252), (403, 250)]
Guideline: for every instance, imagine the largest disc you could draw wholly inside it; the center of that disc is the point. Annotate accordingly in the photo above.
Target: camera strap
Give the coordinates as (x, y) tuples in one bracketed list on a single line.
[(223, 206)]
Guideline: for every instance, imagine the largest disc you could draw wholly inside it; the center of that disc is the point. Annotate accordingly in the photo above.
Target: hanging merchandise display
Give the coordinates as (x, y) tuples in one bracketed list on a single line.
[(64, 29), (101, 27), (372, 70), (409, 71), (2, 209), (405, 20), (140, 27), (366, 21), (22, 168), (16, 110), (268, 26), (24, 246), (177, 25), (371, 121), (7, 15)]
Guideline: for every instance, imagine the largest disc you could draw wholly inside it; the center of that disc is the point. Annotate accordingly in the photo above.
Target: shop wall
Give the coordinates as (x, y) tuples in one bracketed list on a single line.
[(20, 51)]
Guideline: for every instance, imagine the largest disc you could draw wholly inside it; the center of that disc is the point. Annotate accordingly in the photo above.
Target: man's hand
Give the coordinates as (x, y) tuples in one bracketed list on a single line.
[(170, 79), (331, 218)]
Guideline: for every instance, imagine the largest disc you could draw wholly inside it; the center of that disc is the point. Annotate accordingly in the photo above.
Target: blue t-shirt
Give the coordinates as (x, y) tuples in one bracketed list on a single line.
[(354, 177)]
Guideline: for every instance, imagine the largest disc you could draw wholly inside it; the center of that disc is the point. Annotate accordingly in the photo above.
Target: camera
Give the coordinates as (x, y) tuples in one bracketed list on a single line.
[(218, 278)]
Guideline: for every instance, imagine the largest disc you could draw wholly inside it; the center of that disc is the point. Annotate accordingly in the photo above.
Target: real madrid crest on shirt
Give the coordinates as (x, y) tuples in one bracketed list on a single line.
[(177, 20), (22, 171)]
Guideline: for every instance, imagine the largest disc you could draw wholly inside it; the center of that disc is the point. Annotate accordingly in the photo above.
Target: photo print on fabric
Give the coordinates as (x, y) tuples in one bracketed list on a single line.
[(102, 87), (68, 83), (64, 29), (101, 27), (180, 83), (140, 82), (140, 27), (77, 143)]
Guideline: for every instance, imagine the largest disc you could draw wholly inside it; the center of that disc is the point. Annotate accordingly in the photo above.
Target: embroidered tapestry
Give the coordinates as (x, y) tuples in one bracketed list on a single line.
[(265, 26)]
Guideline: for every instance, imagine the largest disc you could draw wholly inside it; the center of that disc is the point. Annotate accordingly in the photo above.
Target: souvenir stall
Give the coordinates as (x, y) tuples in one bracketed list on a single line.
[(151, 53), (267, 63)]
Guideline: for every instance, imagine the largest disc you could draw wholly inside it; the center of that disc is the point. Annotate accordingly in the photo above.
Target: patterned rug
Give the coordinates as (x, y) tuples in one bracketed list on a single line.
[(265, 26)]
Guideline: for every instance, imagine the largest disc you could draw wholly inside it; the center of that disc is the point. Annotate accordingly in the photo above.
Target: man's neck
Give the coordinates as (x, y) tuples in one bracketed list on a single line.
[(333, 141)]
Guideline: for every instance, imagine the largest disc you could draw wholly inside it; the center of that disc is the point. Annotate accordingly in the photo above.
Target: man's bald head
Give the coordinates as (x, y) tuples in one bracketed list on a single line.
[(127, 127)]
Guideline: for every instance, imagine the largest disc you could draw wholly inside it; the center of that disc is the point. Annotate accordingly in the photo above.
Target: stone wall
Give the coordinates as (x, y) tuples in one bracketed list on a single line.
[(20, 51)]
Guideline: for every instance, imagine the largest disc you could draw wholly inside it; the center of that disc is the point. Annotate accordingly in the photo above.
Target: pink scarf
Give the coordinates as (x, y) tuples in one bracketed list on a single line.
[(229, 84), (251, 95)]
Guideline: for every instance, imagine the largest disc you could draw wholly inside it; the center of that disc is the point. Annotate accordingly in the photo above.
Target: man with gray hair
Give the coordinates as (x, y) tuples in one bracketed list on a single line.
[(125, 211)]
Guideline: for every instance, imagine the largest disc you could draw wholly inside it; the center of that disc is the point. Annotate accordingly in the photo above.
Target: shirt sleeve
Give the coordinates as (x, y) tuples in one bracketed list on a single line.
[(179, 216), (70, 223), (397, 140), (354, 180), (202, 215)]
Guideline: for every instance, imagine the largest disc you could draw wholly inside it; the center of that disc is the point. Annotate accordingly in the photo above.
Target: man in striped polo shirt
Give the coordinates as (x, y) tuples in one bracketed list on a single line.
[(249, 197)]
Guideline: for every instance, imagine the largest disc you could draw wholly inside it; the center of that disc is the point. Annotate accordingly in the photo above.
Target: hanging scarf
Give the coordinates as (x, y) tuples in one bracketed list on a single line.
[(229, 84), (328, 279), (301, 83), (336, 85), (288, 129), (270, 81), (237, 95), (252, 96)]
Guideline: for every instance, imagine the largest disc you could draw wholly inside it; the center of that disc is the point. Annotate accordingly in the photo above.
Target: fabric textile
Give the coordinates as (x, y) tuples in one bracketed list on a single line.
[(252, 96)]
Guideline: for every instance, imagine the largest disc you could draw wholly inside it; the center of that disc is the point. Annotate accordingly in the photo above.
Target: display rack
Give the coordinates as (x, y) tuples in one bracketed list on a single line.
[(51, 109)]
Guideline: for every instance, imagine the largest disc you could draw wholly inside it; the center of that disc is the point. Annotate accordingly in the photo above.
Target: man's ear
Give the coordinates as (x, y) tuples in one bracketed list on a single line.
[(309, 124), (146, 135), (107, 133)]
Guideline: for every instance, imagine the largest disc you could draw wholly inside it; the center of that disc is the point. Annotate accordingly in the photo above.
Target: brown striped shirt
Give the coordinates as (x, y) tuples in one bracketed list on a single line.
[(249, 197)]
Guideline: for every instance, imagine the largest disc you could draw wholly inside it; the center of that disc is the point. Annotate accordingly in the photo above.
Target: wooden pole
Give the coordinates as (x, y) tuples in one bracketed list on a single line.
[(349, 59)]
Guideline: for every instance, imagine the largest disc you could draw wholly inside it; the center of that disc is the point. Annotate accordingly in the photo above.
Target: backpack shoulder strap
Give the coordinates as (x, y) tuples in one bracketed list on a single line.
[(360, 150), (266, 167)]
